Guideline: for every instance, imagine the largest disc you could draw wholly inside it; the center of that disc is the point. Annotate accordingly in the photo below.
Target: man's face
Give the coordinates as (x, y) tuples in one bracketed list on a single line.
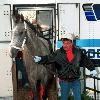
[(67, 45)]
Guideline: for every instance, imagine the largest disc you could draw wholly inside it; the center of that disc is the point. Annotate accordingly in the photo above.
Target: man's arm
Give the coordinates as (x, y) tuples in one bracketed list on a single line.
[(45, 59), (86, 61)]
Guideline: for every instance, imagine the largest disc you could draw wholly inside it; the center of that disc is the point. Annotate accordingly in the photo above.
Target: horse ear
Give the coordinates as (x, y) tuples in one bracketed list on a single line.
[(18, 17), (22, 17)]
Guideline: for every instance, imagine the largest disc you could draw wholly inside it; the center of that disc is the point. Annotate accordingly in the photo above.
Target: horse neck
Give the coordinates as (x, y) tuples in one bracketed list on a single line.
[(32, 43)]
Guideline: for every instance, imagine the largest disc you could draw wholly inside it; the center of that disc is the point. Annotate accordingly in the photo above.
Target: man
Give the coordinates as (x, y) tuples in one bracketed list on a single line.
[(20, 67), (68, 59)]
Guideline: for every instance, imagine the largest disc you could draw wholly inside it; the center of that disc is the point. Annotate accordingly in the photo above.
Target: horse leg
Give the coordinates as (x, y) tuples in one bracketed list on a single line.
[(32, 94), (52, 90), (40, 90), (36, 90), (45, 96)]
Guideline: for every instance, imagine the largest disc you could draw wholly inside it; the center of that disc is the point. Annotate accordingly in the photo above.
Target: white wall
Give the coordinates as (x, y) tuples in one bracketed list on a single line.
[(26, 1), (45, 1), (6, 88), (78, 1)]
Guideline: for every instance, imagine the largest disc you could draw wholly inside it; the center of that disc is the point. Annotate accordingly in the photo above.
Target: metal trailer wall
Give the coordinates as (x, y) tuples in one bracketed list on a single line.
[(89, 40), (6, 88)]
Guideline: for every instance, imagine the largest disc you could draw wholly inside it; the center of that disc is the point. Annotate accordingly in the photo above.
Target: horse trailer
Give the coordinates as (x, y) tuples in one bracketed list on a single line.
[(80, 17)]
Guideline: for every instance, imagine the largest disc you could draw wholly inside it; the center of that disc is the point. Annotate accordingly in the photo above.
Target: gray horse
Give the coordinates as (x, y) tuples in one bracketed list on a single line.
[(33, 45)]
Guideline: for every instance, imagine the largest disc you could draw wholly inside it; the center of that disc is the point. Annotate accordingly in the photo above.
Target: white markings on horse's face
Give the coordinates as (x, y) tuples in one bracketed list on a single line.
[(18, 36)]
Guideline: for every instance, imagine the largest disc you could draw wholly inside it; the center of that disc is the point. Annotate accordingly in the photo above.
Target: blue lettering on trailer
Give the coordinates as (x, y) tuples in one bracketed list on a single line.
[(92, 46), (92, 11)]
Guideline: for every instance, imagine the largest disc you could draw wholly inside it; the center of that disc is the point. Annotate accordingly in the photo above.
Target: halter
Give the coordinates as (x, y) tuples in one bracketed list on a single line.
[(15, 47)]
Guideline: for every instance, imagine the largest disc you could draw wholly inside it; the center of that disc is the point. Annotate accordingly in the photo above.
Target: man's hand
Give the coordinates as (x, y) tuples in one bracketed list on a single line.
[(37, 58), (93, 73)]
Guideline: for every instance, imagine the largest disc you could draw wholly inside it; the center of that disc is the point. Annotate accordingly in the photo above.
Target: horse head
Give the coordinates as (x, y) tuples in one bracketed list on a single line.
[(18, 35)]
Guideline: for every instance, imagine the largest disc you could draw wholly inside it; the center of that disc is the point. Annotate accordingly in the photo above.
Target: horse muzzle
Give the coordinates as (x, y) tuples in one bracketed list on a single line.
[(13, 52)]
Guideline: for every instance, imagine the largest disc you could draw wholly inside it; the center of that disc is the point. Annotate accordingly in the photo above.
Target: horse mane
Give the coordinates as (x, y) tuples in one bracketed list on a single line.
[(37, 30), (31, 26)]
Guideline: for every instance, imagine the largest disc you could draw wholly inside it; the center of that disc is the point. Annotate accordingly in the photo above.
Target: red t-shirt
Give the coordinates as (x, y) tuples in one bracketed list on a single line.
[(70, 55)]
